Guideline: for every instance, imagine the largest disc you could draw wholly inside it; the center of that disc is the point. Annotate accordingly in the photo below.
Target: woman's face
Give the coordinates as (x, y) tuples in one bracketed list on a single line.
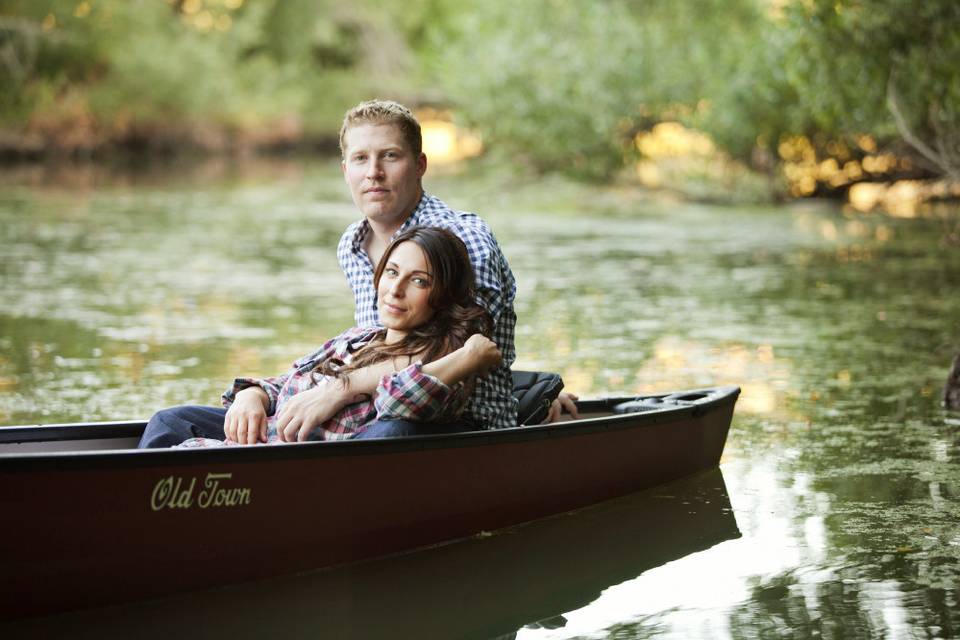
[(404, 290)]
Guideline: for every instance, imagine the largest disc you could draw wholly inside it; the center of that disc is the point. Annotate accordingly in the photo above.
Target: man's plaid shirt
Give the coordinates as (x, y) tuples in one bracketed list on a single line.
[(492, 405)]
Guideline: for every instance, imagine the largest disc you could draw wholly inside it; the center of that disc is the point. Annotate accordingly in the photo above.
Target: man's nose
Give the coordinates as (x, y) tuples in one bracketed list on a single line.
[(374, 169)]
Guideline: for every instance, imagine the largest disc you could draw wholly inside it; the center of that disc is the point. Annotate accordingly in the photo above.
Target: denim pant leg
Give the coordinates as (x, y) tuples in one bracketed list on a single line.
[(172, 426), (398, 428)]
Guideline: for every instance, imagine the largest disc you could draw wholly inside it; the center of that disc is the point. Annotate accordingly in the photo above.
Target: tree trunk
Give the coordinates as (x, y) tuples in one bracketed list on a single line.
[(951, 391)]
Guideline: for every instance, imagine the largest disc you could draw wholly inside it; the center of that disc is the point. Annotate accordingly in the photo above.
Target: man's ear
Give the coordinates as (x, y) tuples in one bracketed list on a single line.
[(421, 164)]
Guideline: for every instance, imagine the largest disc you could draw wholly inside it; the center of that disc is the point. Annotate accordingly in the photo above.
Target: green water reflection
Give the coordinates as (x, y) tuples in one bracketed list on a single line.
[(126, 290)]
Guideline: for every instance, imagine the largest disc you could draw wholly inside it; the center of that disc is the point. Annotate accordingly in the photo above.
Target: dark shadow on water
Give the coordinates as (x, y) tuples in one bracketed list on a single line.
[(485, 587)]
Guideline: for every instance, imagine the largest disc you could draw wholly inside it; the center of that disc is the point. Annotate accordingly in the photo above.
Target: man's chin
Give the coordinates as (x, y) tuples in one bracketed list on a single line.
[(379, 211)]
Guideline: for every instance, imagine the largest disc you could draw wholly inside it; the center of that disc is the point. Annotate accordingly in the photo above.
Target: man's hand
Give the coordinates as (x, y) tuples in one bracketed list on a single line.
[(246, 419), (309, 409), (483, 354), (563, 401)]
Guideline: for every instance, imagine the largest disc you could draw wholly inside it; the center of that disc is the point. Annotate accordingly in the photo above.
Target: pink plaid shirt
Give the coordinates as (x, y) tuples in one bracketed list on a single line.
[(408, 394)]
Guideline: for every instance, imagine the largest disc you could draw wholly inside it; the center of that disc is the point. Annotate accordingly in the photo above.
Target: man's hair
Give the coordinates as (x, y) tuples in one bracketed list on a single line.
[(383, 112)]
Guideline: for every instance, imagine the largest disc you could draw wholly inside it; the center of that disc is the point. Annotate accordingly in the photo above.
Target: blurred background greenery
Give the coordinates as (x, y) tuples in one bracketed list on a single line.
[(726, 100)]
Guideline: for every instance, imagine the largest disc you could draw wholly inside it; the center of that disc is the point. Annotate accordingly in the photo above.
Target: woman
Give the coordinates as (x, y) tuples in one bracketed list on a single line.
[(430, 347)]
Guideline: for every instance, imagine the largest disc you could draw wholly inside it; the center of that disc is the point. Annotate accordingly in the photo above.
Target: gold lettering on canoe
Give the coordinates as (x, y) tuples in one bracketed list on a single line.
[(171, 493), (177, 492), (213, 495)]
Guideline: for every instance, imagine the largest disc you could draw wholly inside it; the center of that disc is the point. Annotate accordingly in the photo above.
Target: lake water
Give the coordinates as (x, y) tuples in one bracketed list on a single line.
[(835, 512)]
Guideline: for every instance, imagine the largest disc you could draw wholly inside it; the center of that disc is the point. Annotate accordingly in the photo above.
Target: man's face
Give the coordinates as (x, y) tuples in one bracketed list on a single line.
[(382, 172)]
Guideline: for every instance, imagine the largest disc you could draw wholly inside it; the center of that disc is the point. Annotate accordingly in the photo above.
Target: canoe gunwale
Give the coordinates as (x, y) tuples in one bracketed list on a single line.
[(715, 398)]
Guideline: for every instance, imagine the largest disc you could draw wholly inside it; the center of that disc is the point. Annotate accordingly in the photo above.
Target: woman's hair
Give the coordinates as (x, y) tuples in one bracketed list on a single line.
[(452, 296)]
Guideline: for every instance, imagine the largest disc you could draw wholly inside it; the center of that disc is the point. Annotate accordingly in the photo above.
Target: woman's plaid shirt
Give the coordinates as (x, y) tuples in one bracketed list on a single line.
[(408, 394), (492, 404)]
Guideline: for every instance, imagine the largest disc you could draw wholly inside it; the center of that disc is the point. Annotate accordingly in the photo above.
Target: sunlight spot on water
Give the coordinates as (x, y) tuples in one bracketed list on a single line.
[(940, 450), (828, 230), (679, 363), (694, 595)]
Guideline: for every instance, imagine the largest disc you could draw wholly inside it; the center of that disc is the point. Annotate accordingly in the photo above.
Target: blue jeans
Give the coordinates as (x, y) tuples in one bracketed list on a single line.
[(397, 428), (172, 426)]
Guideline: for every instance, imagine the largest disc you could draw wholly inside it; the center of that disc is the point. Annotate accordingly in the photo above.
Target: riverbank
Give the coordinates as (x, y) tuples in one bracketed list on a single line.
[(81, 153), (84, 138)]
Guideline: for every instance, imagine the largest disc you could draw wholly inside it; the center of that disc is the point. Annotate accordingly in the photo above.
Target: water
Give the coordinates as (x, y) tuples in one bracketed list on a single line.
[(835, 513)]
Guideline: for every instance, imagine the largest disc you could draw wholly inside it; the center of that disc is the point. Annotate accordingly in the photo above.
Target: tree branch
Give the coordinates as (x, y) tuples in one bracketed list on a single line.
[(911, 138)]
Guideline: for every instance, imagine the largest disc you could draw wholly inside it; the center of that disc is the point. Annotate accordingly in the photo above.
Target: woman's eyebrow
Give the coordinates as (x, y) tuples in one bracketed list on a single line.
[(391, 263)]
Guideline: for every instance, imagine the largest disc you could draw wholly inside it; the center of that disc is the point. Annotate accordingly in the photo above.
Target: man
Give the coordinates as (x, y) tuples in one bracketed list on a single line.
[(383, 164)]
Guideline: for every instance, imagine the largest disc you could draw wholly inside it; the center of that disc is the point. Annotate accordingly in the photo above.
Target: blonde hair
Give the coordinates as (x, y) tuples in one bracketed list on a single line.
[(383, 112)]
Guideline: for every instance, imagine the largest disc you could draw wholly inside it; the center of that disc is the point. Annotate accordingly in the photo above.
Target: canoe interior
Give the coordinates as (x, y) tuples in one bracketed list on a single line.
[(124, 435)]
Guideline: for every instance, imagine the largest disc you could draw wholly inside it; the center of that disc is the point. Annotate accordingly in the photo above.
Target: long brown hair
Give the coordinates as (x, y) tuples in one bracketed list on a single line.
[(452, 296)]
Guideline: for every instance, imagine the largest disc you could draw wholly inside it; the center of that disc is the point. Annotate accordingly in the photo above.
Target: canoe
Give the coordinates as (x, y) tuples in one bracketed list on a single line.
[(88, 520), (529, 575)]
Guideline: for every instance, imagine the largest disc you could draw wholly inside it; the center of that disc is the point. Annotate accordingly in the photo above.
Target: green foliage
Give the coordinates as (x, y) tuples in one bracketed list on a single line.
[(533, 87), (552, 84), (124, 62), (565, 85), (887, 68)]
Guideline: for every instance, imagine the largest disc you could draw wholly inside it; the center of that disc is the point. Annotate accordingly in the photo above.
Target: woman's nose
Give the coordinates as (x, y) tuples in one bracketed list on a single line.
[(396, 288)]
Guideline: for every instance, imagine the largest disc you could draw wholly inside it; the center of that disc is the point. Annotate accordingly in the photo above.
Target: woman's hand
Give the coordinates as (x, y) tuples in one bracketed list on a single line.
[(477, 356), (483, 354), (246, 419), (307, 410)]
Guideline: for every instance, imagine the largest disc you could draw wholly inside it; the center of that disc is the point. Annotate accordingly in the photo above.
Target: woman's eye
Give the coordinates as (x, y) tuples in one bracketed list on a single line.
[(390, 272), (421, 282)]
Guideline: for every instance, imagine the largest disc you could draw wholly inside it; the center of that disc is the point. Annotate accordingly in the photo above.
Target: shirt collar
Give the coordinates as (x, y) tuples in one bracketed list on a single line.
[(412, 220)]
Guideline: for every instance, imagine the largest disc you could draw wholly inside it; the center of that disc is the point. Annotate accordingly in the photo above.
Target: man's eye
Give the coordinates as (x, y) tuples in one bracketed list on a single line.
[(359, 158)]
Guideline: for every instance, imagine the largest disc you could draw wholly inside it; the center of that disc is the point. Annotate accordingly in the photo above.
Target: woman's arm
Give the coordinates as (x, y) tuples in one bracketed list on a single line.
[(309, 409), (477, 356), (435, 391)]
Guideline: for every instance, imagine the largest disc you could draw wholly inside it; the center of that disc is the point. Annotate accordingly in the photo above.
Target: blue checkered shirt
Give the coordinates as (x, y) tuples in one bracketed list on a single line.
[(492, 405)]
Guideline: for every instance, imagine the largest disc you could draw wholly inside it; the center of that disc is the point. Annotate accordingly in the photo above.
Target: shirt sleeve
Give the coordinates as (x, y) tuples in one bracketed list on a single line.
[(411, 394), (273, 386), (489, 264)]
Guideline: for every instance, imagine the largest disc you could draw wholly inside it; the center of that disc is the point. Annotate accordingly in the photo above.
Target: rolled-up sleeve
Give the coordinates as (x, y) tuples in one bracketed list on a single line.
[(271, 386), (411, 394), (339, 347)]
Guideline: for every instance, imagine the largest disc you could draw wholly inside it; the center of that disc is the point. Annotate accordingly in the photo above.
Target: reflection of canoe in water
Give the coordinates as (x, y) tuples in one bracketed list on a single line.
[(487, 586), (97, 522)]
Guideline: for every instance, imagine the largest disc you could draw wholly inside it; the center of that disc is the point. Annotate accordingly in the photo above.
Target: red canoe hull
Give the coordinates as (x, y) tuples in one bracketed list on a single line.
[(92, 528)]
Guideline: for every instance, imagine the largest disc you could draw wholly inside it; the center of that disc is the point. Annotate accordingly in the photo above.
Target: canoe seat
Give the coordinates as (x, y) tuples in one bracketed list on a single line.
[(534, 391)]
